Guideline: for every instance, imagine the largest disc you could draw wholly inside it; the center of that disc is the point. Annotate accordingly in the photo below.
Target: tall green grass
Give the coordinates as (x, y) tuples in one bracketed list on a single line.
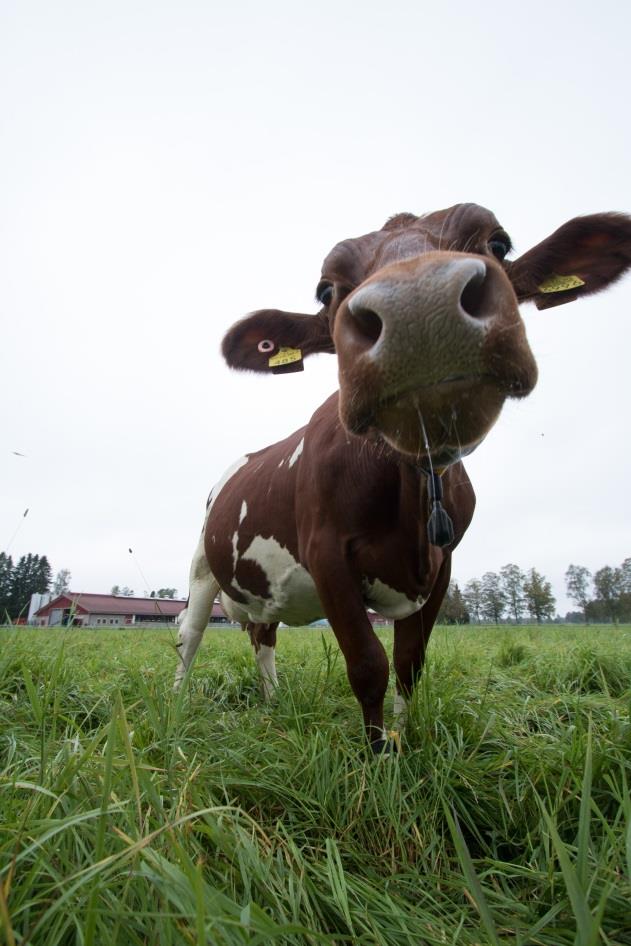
[(130, 815)]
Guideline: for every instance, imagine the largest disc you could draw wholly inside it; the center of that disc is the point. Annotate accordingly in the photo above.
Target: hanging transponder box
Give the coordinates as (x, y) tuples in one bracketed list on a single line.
[(440, 528)]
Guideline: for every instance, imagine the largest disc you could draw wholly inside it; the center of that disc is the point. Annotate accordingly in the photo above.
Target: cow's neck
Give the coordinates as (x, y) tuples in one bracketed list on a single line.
[(438, 523)]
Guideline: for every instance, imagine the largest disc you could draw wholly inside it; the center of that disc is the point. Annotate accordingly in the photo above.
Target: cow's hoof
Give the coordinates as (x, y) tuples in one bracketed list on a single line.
[(388, 746), (379, 746)]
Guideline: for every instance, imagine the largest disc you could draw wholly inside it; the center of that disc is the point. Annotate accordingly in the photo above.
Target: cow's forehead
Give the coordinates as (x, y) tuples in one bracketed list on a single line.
[(461, 227)]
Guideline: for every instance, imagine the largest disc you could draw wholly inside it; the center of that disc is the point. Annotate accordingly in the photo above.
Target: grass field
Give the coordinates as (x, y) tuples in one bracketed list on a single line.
[(131, 816)]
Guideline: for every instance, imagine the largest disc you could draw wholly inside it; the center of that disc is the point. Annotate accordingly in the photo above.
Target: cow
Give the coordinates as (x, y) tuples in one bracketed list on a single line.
[(363, 506)]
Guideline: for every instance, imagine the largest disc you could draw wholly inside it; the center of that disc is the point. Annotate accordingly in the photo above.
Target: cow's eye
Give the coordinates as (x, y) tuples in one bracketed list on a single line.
[(500, 246), (324, 293)]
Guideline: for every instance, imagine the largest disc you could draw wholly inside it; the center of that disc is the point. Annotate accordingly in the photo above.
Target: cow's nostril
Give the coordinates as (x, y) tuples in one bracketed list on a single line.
[(473, 296), (367, 323)]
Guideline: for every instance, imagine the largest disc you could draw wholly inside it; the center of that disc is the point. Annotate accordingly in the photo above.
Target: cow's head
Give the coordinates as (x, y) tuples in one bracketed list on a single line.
[(423, 315)]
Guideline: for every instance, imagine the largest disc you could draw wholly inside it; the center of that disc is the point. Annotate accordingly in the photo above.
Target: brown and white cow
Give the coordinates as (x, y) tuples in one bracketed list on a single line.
[(345, 514)]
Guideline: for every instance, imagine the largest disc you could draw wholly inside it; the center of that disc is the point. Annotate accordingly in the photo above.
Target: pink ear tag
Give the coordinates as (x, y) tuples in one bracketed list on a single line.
[(266, 346)]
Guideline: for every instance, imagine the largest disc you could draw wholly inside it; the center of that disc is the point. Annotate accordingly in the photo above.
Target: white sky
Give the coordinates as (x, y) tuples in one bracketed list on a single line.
[(165, 168)]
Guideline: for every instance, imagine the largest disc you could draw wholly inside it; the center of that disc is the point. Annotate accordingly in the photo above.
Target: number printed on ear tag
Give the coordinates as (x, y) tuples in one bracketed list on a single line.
[(556, 283), (285, 356)]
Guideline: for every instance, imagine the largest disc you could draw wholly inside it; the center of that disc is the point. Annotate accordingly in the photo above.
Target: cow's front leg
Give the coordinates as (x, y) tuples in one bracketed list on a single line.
[(411, 636), (366, 660), (410, 641), (263, 638), (194, 619)]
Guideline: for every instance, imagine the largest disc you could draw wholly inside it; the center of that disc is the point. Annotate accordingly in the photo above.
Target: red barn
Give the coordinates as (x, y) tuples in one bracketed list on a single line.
[(88, 610)]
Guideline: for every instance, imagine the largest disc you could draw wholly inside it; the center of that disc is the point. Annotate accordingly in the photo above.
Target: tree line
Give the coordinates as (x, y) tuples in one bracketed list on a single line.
[(126, 592), (511, 595), (31, 575), (603, 596), (507, 596)]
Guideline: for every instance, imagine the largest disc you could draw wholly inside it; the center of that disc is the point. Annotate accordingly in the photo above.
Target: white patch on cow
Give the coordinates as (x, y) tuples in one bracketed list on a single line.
[(293, 596), (266, 660), (400, 710), (296, 453), (244, 511), (224, 479), (235, 554), (388, 601), (234, 611)]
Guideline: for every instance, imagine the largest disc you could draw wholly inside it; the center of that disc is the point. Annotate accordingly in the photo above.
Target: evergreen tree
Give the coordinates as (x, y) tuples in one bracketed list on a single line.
[(6, 573), (44, 573), (513, 588), (577, 579), (493, 597), (31, 575), (540, 601), (453, 609)]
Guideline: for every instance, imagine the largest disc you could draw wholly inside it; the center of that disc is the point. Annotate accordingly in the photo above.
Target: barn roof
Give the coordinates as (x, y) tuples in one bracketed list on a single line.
[(114, 604)]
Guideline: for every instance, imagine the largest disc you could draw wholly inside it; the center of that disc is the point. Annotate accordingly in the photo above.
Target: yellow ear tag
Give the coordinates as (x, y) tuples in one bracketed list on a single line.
[(556, 283), (285, 356)]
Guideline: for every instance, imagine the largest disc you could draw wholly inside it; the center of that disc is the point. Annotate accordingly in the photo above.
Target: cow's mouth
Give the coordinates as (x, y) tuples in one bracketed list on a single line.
[(445, 420)]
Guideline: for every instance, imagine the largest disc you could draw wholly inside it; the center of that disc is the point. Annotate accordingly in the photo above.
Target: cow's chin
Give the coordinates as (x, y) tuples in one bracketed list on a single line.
[(443, 422)]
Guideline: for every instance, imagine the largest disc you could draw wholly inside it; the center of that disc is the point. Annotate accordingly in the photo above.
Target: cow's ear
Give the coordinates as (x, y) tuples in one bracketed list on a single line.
[(276, 342), (584, 255)]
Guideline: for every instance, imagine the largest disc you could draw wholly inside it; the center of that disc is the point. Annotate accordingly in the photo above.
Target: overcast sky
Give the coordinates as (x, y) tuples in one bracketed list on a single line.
[(167, 167)]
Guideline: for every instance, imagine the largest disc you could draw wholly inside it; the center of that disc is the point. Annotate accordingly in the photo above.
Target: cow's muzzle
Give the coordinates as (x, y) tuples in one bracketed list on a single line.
[(435, 342)]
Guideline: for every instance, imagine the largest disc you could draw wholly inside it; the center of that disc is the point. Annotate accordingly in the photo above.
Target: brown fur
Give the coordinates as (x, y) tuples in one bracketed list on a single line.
[(354, 509)]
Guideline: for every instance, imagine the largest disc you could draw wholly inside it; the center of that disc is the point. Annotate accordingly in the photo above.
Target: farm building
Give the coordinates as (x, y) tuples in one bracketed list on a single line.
[(92, 610), (78, 609)]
